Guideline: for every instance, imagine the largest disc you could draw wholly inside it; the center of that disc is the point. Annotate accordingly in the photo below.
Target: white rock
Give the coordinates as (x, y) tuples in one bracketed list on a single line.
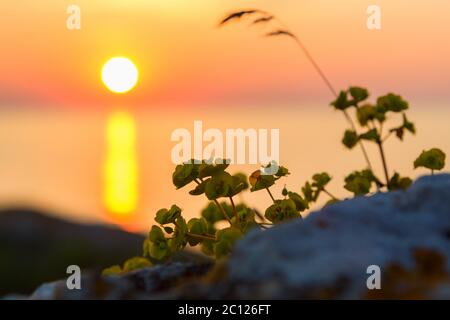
[(342, 240)]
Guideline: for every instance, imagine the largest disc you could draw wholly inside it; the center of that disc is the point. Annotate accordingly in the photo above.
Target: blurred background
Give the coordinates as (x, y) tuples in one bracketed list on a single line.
[(55, 112)]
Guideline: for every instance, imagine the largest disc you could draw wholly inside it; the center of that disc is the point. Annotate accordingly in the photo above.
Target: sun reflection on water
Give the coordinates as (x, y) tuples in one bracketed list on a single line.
[(121, 171)]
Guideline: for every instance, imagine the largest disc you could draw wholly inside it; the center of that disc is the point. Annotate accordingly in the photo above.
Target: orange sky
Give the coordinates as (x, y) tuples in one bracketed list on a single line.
[(55, 159), (185, 59)]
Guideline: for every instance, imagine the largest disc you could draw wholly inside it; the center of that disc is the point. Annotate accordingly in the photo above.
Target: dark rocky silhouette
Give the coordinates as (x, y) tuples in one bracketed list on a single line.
[(36, 248)]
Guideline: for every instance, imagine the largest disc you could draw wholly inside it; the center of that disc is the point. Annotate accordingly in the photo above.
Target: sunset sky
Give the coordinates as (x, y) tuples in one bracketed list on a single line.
[(61, 129), (185, 59)]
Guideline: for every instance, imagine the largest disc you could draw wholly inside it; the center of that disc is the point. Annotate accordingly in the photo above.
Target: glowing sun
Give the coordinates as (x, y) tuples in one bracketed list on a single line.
[(119, 74)]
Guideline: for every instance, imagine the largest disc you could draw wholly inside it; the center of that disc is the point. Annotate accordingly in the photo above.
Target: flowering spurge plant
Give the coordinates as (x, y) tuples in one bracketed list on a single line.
[(373, 121), (371, 117), (173, 232)]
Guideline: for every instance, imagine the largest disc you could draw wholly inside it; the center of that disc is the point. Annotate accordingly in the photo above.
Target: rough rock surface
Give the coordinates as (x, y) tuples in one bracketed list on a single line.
[(149, 283), (326, 255), (330, 250)]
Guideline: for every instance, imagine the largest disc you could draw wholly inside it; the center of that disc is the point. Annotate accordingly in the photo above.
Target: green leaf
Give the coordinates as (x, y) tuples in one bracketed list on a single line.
[(174, 213), (358, 94), (164, 216), (408, 125), (156, 234), (219, 186), (357, 184), (212, 213), (399, 183), (308, 192), (157, 244), (199, 227), (371, 135), (112, 271), (185, 174), (341, 102), (350, 139), (208, 170), (433, 159), (207, 247), (311, 191), (284, 192), (365, 113), (399, 132), (360, 182), (146, 247), (392, 102), (246, 218), (242, 178), (226, 239), (321, 180), (331, 201), (136, 263), (200, 188), (159, 250), (282, 210), (368, 113), (300, 203), (259, 181), (370, 175), (179, 240), (237, 185)]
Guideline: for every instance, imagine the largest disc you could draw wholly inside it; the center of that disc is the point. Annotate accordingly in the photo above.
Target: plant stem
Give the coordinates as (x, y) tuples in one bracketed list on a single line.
[(315, 65), (218, 205), (259, 215), (334, 92), (270, 194), (386, 136), (383, 160), (322, 76), (223, 211), (360, 143), (235, 212), (201, 236), (330, 194), (432, 172)]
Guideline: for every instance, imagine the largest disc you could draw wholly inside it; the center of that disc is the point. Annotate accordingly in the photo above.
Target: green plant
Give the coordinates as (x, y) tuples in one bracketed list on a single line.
[(433, 159), (212, 180), (279, 29), (132, 264), (373, 119), (173, 233)]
